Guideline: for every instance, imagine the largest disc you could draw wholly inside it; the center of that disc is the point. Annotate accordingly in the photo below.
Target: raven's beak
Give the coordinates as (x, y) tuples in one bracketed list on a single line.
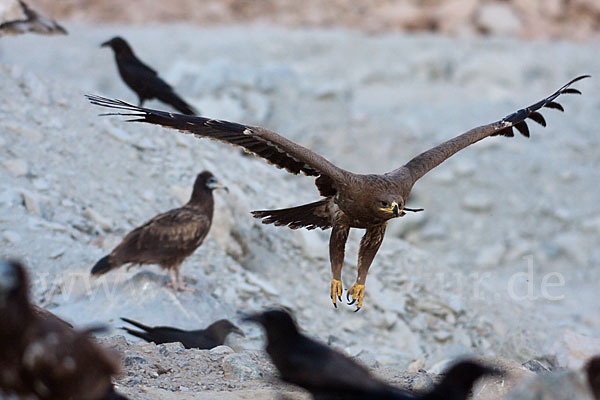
[(238, 331), (105, 44), (394, 209)]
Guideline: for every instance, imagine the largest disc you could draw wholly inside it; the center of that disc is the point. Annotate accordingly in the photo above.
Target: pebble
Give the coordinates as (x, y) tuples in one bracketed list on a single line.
[(477, 202), (11, 237), (31, 203), (416, 365), (96, 218), (221, 350), (241, 367), (17, 166), (491, 255)]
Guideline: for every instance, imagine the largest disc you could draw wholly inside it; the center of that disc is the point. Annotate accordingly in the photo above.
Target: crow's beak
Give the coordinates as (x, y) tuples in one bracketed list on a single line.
[(106, 44), (257, 318), (238, 331)]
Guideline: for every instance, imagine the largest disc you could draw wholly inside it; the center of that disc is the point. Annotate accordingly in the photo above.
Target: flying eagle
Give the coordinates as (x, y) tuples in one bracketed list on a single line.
[(330, 375), (142, 79), (41, 356), (203, 339), (32, 22), (168, 238), (350, 200)]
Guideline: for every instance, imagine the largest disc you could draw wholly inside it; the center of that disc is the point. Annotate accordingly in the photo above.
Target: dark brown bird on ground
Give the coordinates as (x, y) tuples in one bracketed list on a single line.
[(213, 336), (327, 374), (169, 238), (351, 200), (41, 356), (32, 22), (144, 80)]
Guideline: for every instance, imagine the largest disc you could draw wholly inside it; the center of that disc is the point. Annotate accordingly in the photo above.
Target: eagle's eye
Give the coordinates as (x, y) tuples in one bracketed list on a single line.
[(384, 204)]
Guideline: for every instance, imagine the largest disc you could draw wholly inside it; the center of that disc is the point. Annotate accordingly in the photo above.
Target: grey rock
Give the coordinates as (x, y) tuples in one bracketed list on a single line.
[(17, 166), (241, 366)]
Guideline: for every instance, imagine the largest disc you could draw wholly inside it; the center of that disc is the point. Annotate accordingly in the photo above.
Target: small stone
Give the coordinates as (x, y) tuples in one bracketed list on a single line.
[(221, 350), (241, 367), (17, 166), (25, 132), (422, 383), (416, 365), (11, 237), (97, 219), (31, 203), (477, 202)]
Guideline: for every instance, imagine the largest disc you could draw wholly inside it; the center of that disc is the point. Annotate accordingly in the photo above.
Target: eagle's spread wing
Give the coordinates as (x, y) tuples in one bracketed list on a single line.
[(176, 233), (425, 162), (277, 150)]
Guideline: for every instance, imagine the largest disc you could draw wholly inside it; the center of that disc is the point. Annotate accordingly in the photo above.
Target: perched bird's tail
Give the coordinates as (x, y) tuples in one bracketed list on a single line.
[(177, 103), (103, 266), (135, 323), (309, 216)]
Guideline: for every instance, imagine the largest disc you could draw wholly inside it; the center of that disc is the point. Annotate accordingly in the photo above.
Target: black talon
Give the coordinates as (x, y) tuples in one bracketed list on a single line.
[(357, 309), (353, 301), (334, 305), (340, 298)]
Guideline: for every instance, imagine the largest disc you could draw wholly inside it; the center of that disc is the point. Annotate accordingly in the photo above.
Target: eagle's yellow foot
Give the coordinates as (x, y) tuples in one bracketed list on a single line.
[(358, 293), (336, 291)]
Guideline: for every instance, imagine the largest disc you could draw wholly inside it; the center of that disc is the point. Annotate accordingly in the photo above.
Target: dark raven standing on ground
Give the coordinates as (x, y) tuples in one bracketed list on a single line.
[(206, 339), (169, 238), (144, 80), (41, 356), (330, 375), (32, 21)]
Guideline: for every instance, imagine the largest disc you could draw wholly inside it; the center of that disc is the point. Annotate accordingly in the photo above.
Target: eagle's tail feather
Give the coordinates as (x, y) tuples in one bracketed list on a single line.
[(309, 216)]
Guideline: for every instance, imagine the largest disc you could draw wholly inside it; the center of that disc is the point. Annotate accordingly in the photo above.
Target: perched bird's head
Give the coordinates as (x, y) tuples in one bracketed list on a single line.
[(119, 45), (224, 327), (278, 324), (13, 279), (207, 181)]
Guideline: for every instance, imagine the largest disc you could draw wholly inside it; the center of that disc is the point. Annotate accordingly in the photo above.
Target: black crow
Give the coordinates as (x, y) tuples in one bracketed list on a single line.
[(330, 375), (213, 336), (144, 80)]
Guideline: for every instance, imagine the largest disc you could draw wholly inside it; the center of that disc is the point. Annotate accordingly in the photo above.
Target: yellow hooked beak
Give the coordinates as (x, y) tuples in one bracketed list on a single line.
[(394, 209)]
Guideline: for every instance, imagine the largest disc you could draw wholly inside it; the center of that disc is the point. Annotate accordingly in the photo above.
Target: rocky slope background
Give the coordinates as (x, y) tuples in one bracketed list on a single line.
[(524, 18), (504, 220)]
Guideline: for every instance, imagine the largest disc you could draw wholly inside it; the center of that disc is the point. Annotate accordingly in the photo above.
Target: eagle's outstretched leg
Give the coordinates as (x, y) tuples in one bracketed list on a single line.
[(369, 245), (337, 247)]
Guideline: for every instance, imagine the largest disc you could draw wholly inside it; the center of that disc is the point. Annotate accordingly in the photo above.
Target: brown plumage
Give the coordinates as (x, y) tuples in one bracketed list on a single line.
[(351, 200), (32, 22), (168, 238), (41, 356)]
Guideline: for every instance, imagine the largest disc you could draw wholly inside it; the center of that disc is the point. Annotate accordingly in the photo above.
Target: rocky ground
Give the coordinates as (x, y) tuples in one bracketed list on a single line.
[(523, 18), (473, 274)]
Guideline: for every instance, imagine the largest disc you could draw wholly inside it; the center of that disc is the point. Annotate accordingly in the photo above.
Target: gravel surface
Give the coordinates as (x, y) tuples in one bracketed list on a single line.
[(502, 218)]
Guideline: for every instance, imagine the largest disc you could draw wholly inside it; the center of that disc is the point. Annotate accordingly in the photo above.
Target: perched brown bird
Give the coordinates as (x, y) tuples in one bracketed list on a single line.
[(351, 200), (32, 21), (328, 374), (41, 356), (144, 80), (168, 238), (213, 336)]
